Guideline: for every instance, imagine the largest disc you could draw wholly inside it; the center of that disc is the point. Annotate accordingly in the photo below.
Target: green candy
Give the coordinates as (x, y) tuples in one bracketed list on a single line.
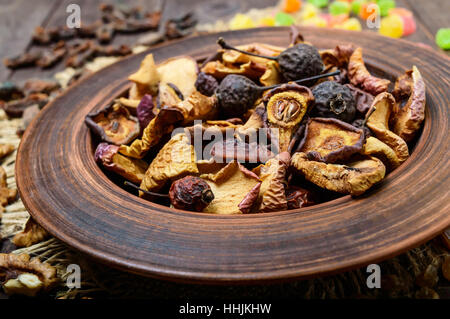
[(319, 3), (385, 6), (284, 19), (356, 6), (339, 7), (443, 38)]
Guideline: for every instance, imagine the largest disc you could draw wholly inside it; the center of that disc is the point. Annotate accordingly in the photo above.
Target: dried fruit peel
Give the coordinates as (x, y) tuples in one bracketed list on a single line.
[(273, 176), (330, 140), (360, 77), (378, 122), (355, 178), (176, 159), (407, 120), (230, 186)]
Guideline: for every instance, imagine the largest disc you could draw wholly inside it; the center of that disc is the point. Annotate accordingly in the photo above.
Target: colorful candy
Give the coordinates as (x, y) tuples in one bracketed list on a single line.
[(291, 6), (337, 19), (339, 7), (319, 3), (241, 21), (284, 19), (391, 26), (385, 6), (316, 22), (309, 11), (267, 21), (443, 38), (356, 6), (352, 24), (368, 10), (409, 24)]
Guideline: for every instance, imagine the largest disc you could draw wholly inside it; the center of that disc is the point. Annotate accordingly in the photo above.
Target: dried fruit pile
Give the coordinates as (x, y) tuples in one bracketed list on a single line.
[(257, 129)]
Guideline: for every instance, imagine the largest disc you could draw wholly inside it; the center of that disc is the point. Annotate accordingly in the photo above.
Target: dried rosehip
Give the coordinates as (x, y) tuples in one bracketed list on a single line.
[(206, 84), (190, 193), (334, 100), (297, 62), (145, 111)]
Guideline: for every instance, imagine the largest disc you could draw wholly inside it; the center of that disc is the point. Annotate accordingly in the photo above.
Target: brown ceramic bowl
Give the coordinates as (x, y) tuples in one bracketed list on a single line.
[(70, 196)]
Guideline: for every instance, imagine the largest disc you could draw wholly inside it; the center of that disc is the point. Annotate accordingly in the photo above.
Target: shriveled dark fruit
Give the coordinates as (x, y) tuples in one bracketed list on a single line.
[(145, 111), (300, 61), (206, 84), (297, 62), (334, 100), (10, 91), (236, 94), (298, 197), (190, 193)]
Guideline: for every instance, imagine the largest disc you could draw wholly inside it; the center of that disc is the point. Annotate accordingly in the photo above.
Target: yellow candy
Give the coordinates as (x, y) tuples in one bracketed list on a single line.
[(391, 26), (267, 21), (352, 24), (315, 22), (241, 21), (309, 11)]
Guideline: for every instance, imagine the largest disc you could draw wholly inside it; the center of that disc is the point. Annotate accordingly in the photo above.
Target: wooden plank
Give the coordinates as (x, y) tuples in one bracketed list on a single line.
[(17, 21), (89, 13)]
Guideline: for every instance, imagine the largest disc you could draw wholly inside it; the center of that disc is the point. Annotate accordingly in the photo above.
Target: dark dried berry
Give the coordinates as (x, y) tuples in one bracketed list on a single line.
[(206, 84), (190, 193), (236, 94), (300, 61), (334, 100)]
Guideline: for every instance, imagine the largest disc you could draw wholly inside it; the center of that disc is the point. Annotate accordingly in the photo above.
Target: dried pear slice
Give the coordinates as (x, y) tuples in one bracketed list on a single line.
[(147, 77), (377, 148), (330, 140), (176, 159), (286, 106), (354, 178), (114, 124), (407, 119), (272, 195), (360, 77), (230, 187), (378, 122)]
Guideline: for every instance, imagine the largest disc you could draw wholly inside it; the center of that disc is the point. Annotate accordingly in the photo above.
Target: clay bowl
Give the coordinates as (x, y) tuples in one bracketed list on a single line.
[(70, 196)]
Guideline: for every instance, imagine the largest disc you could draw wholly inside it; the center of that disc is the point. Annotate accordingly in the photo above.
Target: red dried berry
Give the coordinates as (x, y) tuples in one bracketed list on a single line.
[(190, 193)]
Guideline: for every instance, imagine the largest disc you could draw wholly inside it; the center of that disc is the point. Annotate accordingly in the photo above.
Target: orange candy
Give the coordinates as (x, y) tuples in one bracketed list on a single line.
[(367, 10), (290, 6)]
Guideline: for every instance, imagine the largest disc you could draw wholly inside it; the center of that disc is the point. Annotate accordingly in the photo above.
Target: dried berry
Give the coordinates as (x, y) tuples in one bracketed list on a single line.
[(145, 111), (297, 62), (334, 100), (190, 193), (236, 93), (9, 91), (206, 84)]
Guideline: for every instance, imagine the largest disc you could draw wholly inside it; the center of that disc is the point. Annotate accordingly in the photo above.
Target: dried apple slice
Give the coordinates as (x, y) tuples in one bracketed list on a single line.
[(378, 122), (230, 187), (180, 71), (330, 140), (176, 159), (377, 148), (354, 178), (286, 106), (360, 77), (114, 124), (131, 169), (407, 119), (272, 196), (146, 78)]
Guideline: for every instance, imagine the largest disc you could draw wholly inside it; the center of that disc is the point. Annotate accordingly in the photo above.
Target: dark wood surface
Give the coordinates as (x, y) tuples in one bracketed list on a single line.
[(15, 33), (67, 193)]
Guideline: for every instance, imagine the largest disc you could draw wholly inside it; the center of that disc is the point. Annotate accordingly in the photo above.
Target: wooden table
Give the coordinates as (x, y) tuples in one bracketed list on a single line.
[(15, 32)]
